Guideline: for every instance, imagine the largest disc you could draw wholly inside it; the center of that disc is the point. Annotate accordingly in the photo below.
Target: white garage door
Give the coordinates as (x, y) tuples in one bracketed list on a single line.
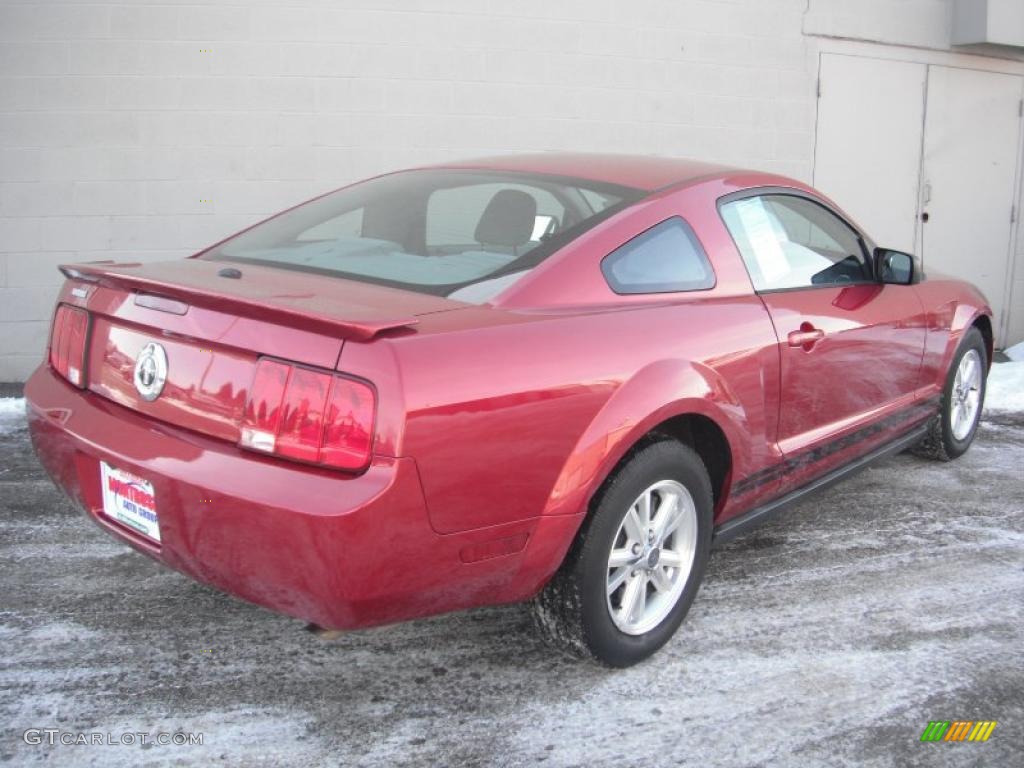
[(969, 175), (925, 158), (868, 152)]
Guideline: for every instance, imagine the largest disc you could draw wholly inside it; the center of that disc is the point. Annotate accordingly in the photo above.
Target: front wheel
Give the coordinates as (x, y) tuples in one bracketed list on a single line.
[(952, 431), (630, 577)]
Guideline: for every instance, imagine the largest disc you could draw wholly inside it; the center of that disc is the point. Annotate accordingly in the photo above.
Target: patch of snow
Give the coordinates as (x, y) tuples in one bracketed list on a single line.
[(12, 414), (271, 736), (1016, 352), (1005, 391), (58, 632)]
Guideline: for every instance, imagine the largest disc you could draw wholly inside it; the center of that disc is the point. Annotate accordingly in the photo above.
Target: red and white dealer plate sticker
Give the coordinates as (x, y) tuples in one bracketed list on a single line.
[(129, 500)]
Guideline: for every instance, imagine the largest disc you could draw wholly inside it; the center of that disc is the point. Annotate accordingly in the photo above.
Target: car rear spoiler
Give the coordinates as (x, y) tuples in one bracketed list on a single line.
[(357, 324)]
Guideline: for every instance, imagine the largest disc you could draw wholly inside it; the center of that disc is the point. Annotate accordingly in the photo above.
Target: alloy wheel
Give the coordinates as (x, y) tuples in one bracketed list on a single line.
[(651, 557), (965, 399)]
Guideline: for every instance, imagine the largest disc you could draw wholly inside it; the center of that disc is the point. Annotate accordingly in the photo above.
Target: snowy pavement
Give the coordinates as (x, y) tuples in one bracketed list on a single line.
[(1006, 383), (830, 636)]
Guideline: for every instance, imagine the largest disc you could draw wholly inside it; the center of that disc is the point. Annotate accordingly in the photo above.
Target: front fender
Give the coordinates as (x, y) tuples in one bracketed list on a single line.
[(965, 316), (965, 313), (951, 307), (659, 391)]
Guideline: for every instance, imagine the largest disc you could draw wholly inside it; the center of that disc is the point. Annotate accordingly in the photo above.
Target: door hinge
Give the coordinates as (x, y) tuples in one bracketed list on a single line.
[(1013, 214), (819, 87), (1020, 108)]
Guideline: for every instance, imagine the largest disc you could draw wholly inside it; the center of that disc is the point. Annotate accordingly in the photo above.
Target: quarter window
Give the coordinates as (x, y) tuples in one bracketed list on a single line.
[(788, 241), (666, 258)]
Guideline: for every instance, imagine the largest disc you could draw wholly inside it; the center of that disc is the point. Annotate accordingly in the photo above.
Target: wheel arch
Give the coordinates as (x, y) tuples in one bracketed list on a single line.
[(984, 324), (700, 433), (701, 412), (677, 399), (965, 316)]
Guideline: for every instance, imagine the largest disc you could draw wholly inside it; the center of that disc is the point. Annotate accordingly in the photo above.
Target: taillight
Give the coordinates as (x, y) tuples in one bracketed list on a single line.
[(309, 415), (68, 343)]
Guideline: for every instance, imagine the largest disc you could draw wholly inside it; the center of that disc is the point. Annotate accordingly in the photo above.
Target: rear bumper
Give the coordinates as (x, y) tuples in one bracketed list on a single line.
[(339, 550)]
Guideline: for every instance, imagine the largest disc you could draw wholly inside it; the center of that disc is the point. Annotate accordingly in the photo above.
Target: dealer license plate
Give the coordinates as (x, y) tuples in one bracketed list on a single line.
[(129, 500)]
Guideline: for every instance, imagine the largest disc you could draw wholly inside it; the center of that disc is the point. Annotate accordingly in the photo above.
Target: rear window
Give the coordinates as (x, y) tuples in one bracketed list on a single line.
[(463, 234)]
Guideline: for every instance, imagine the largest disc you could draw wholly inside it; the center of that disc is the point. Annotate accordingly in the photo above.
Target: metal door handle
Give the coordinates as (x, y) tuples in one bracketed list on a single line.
[(806, 336)]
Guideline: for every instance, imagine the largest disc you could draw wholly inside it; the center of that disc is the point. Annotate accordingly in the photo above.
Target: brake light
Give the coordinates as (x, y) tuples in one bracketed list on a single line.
[(309, 415), (348, 426), (68, 343), (301, 427)]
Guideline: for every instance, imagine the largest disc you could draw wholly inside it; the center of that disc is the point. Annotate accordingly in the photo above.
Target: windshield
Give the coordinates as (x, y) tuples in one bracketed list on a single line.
[(463, 234)]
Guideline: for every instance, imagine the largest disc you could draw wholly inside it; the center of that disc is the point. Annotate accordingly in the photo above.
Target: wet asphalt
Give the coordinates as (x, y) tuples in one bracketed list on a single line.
[(830, 636)]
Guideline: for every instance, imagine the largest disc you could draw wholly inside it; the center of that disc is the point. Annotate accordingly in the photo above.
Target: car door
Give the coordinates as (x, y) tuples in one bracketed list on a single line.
[(850, 347)]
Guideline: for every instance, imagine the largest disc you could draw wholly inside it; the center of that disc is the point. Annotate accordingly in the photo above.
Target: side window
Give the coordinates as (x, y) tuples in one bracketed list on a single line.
[(665, 258), (792, 242)]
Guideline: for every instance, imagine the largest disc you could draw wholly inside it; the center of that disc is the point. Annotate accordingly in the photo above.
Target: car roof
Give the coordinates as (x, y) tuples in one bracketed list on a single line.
[(644, 172)]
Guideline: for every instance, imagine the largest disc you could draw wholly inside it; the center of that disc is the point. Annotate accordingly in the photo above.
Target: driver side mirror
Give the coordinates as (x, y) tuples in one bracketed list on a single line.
[(893, 267)]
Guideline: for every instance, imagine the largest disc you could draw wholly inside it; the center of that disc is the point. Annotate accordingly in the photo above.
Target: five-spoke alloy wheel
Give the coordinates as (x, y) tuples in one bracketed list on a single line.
[(635, 568), (651, 557), (952, 430), (965, 398)]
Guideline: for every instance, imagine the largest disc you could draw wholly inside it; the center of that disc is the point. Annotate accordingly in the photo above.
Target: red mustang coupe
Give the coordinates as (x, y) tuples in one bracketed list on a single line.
[(559, 377)]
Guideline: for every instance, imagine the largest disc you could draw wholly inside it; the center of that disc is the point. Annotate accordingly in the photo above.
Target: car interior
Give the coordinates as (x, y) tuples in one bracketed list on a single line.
[(788, 241)]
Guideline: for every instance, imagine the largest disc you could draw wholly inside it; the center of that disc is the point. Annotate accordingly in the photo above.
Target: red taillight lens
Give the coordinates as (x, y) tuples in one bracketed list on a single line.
[(348, 425), (263, 410), (309, 415), (68, 339), (302, 415)]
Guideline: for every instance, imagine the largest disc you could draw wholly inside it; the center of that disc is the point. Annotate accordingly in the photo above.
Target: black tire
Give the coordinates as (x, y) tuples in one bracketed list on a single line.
[(940, 443), (573, 612)]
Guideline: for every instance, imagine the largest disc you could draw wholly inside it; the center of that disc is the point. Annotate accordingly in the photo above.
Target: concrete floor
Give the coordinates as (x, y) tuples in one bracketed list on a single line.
[(830, 636)]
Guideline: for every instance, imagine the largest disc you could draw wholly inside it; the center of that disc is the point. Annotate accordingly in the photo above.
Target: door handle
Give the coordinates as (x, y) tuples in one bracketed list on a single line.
[(806, 337)]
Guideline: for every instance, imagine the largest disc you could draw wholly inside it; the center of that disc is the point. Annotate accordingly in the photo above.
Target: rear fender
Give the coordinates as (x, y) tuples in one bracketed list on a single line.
[(660, 391)]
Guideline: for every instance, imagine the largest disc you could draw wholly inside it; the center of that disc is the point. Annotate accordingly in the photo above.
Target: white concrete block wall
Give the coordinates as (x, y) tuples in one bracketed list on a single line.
[(921, 23), (118, 120)]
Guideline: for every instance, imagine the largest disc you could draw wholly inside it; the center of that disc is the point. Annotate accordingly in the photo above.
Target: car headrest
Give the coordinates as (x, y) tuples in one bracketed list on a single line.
[(508, 219)]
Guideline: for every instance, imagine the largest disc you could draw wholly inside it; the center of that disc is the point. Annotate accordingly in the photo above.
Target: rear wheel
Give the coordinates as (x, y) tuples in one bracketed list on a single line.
[(952, 431), (638, 561)]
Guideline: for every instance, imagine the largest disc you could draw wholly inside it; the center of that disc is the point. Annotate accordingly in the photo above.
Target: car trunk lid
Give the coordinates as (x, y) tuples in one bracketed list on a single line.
[(213, 329), (344, 308)]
